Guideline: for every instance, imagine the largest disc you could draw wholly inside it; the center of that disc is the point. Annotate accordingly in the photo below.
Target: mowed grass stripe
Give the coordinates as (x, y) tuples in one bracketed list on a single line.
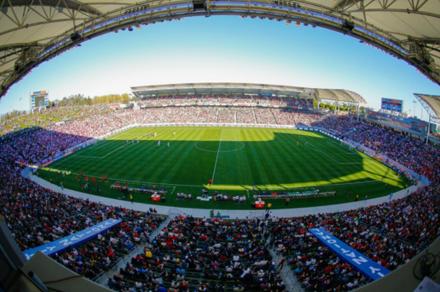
[(294, 157), (312, 166), (178, 157), (232, 165), (257, 165), (267, 168), (309, 160), (336, 158), (159, 158), (285, 160), (326, 149)]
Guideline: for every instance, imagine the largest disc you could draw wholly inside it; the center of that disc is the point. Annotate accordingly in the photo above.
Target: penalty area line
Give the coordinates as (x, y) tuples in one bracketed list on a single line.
[(104, 156)]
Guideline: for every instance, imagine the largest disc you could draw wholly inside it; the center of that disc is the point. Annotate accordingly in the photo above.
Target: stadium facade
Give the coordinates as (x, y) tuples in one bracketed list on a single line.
[(250, 89)]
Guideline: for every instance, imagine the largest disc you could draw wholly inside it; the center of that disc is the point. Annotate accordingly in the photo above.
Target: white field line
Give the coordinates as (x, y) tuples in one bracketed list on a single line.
[(216, 158), (189, 185), (314, 148), (135, 181), (114, 150), (348, 152), (100, 157)]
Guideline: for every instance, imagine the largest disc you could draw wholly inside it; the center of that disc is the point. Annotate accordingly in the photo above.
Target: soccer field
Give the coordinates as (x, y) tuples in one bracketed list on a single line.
[(243, 161)]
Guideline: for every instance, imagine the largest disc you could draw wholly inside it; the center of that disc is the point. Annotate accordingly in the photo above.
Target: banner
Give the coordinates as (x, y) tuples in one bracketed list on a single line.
[(356, 259), (73, 239)]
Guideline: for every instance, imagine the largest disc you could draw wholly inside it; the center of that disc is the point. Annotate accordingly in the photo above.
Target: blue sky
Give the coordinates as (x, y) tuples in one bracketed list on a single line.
[(228, 49)]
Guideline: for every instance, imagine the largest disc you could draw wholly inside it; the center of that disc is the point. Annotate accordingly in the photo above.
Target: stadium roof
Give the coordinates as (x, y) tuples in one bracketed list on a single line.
[(431, 103), (32, 31), (339, 95)]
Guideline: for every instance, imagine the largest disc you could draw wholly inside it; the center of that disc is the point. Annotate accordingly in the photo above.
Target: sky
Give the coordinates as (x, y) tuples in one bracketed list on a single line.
[(224, 49)]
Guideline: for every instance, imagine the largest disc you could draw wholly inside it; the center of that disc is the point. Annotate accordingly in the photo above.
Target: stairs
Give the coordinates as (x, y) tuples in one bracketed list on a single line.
[(286, 273), (103, 279)]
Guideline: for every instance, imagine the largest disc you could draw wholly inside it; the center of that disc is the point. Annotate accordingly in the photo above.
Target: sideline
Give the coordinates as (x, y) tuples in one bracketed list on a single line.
[(232, 214), (286, 186), (104, 156)]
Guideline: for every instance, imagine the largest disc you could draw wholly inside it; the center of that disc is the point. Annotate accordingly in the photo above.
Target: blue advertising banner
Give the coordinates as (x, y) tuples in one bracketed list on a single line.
[(356, 259), (73, 239)]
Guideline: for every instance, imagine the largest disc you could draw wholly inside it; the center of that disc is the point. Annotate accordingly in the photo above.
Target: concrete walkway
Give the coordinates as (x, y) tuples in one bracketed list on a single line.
[(103, 279)]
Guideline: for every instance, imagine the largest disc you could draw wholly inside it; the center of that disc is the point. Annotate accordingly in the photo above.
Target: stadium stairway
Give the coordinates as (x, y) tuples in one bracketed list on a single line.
[(286, 273), (103, 279), (255, 116), (274, 116)]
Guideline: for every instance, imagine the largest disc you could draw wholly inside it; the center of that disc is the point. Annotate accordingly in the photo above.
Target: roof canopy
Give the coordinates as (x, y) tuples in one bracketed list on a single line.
[(431, 103), (34, 31), (339, 95)]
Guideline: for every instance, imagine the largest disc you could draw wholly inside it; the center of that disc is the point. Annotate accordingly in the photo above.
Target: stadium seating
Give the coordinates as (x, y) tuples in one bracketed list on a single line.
[(200, 254), (217, 255), (390, 234)]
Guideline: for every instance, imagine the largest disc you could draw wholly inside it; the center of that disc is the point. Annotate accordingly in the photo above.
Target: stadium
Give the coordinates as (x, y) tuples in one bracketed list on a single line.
[(219, 186)]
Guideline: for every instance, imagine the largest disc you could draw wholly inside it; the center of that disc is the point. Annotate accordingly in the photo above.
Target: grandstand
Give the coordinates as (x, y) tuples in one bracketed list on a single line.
[(279, 244)]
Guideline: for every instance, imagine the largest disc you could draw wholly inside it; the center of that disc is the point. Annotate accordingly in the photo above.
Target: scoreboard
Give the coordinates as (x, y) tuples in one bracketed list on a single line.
[(390, 104)]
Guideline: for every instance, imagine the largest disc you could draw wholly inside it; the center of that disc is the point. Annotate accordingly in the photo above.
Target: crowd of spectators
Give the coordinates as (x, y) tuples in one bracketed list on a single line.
[(36, 216), (193, 254), (229, 101), (410, 151), (101, 254), (390, 234), (213, 254), (100, 124), (49, 117)]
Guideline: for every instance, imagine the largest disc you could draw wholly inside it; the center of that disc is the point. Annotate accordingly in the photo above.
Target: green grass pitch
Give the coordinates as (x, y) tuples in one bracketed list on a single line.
[(238, 160)]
